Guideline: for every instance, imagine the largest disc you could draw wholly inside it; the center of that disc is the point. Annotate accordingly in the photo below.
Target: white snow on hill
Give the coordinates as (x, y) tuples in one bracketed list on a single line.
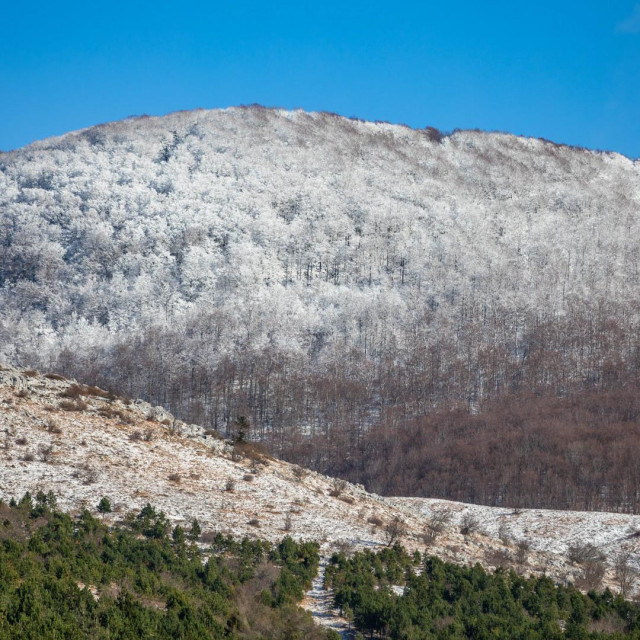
[(83, 445), (305, 232)]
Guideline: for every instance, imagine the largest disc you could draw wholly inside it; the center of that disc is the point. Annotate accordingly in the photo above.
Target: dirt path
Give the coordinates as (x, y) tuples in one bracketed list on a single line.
[(320, 603)]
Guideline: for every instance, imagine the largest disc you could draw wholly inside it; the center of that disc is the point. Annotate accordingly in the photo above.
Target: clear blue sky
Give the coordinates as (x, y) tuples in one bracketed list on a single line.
[(564, 70)]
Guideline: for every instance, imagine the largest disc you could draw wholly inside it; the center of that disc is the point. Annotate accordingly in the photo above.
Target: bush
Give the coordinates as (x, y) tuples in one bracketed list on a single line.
[(436, 524), (44, 452), (299, 473), (581, 553), (469, 524), (96, 391), (498, 557), (53, 427), (522, 551), (254, 451), (592, 574), (90, 475), (504, 534), (110, 412), (70, 405), (395, 530), (73, 391), (337, 487), (104, 506), (54, 376)]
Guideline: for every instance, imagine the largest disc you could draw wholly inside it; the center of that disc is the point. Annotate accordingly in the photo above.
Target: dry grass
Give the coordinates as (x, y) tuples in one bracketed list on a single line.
[(53, 427), (113, 414), (73, 405), (78, 390), (54, 376)]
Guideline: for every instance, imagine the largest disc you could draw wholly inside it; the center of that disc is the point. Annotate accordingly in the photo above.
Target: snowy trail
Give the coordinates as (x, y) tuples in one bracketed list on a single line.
[(319, 602)]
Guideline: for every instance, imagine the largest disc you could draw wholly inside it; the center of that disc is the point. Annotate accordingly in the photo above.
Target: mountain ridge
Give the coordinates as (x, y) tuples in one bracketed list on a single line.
[(429, 130)]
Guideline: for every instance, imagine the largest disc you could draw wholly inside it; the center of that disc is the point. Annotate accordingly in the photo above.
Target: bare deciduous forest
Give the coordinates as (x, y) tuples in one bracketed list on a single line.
[(557, 427)]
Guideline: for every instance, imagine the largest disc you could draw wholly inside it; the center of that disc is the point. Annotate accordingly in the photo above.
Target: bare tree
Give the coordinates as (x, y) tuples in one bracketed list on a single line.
[(436, 524), (624, 573), (584, 552), (522, 551), (395, 530), (593, 571), (504, 533), (469, 524)]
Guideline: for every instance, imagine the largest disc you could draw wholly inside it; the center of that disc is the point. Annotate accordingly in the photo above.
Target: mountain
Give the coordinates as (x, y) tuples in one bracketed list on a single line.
[(334, 282), (84, 444), (309, 230)]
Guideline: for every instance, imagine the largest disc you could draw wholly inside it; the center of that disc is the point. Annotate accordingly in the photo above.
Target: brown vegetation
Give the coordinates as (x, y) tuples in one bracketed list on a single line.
[(551, 420), (73, 405)]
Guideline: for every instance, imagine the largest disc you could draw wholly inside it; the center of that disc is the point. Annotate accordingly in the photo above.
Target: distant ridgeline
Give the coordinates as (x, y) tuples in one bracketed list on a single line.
[(358, 292)]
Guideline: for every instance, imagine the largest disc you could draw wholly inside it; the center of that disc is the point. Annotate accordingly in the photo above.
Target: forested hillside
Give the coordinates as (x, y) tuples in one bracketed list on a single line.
[(74, 577), (390, 594), (341, 284)]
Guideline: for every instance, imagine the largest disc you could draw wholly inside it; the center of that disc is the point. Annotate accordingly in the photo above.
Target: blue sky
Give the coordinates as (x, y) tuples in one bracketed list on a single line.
[(568, 71)]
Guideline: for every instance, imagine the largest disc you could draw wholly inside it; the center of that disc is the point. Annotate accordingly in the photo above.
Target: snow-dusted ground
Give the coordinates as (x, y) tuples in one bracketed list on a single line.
[(189, 476), (547, 530), (319, 601)]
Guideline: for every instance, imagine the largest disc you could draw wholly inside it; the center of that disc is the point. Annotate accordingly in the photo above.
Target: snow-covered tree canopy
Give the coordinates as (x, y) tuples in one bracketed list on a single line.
[(304, 230)]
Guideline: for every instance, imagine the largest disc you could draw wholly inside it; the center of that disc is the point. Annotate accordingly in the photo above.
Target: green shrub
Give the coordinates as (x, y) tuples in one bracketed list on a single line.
[(104, 506)]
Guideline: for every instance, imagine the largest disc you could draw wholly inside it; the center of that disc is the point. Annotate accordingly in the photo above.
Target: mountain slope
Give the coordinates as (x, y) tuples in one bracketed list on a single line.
[(83, 444), (327, 279), (304, 225)]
